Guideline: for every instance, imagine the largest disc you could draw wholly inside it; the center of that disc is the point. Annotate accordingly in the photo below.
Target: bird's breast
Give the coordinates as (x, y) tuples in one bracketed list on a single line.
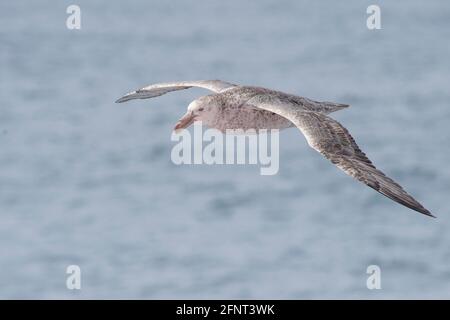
[(246, 118)]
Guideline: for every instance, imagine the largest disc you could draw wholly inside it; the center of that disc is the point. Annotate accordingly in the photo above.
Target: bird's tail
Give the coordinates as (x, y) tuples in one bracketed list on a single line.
[(330, 107)]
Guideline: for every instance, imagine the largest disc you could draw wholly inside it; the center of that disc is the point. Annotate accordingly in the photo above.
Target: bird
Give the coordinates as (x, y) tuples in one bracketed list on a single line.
[(233, 106)]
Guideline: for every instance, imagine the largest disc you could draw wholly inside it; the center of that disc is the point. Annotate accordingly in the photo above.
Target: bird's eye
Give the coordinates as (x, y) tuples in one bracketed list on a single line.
[(200, 109)]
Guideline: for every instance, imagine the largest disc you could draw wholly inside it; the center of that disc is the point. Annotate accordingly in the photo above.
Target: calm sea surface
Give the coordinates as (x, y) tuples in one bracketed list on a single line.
[(88, 182)]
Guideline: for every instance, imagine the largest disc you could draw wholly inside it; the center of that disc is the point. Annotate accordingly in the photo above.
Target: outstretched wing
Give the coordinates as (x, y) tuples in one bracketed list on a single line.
[(159, 89), (333, 141)]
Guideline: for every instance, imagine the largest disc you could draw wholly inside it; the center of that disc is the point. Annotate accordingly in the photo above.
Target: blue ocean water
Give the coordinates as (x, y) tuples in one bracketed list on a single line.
[(88, 182)]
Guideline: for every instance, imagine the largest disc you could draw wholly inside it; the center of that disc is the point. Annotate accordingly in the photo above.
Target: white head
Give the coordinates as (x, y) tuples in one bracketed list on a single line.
[(203, 109)]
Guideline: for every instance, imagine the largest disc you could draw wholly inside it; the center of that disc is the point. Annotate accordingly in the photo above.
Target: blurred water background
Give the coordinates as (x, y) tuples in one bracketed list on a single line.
[(85, 181)]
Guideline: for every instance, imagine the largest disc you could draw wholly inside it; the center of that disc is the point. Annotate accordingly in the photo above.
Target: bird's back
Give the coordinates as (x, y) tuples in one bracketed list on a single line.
[(244, 94)]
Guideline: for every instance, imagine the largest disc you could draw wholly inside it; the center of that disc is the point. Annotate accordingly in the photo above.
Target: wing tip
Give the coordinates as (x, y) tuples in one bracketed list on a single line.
[(427, 213), (128, 96), (419, 208)]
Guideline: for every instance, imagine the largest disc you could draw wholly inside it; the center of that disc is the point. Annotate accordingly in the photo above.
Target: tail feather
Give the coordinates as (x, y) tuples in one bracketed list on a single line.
[(330, 107)]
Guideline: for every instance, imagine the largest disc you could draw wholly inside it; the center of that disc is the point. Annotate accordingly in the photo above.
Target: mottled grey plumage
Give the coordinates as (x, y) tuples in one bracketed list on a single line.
[(159, 89), (246, 107)]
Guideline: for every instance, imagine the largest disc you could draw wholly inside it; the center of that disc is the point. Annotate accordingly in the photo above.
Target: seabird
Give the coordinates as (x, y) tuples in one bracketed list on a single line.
[(246, 107)]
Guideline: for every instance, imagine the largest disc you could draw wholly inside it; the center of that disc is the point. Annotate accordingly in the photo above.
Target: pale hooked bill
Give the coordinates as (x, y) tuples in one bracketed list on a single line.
[(246, 107)]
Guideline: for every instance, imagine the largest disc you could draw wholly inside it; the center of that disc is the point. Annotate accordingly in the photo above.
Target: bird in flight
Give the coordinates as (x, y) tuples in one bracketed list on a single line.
[(233, 106)]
